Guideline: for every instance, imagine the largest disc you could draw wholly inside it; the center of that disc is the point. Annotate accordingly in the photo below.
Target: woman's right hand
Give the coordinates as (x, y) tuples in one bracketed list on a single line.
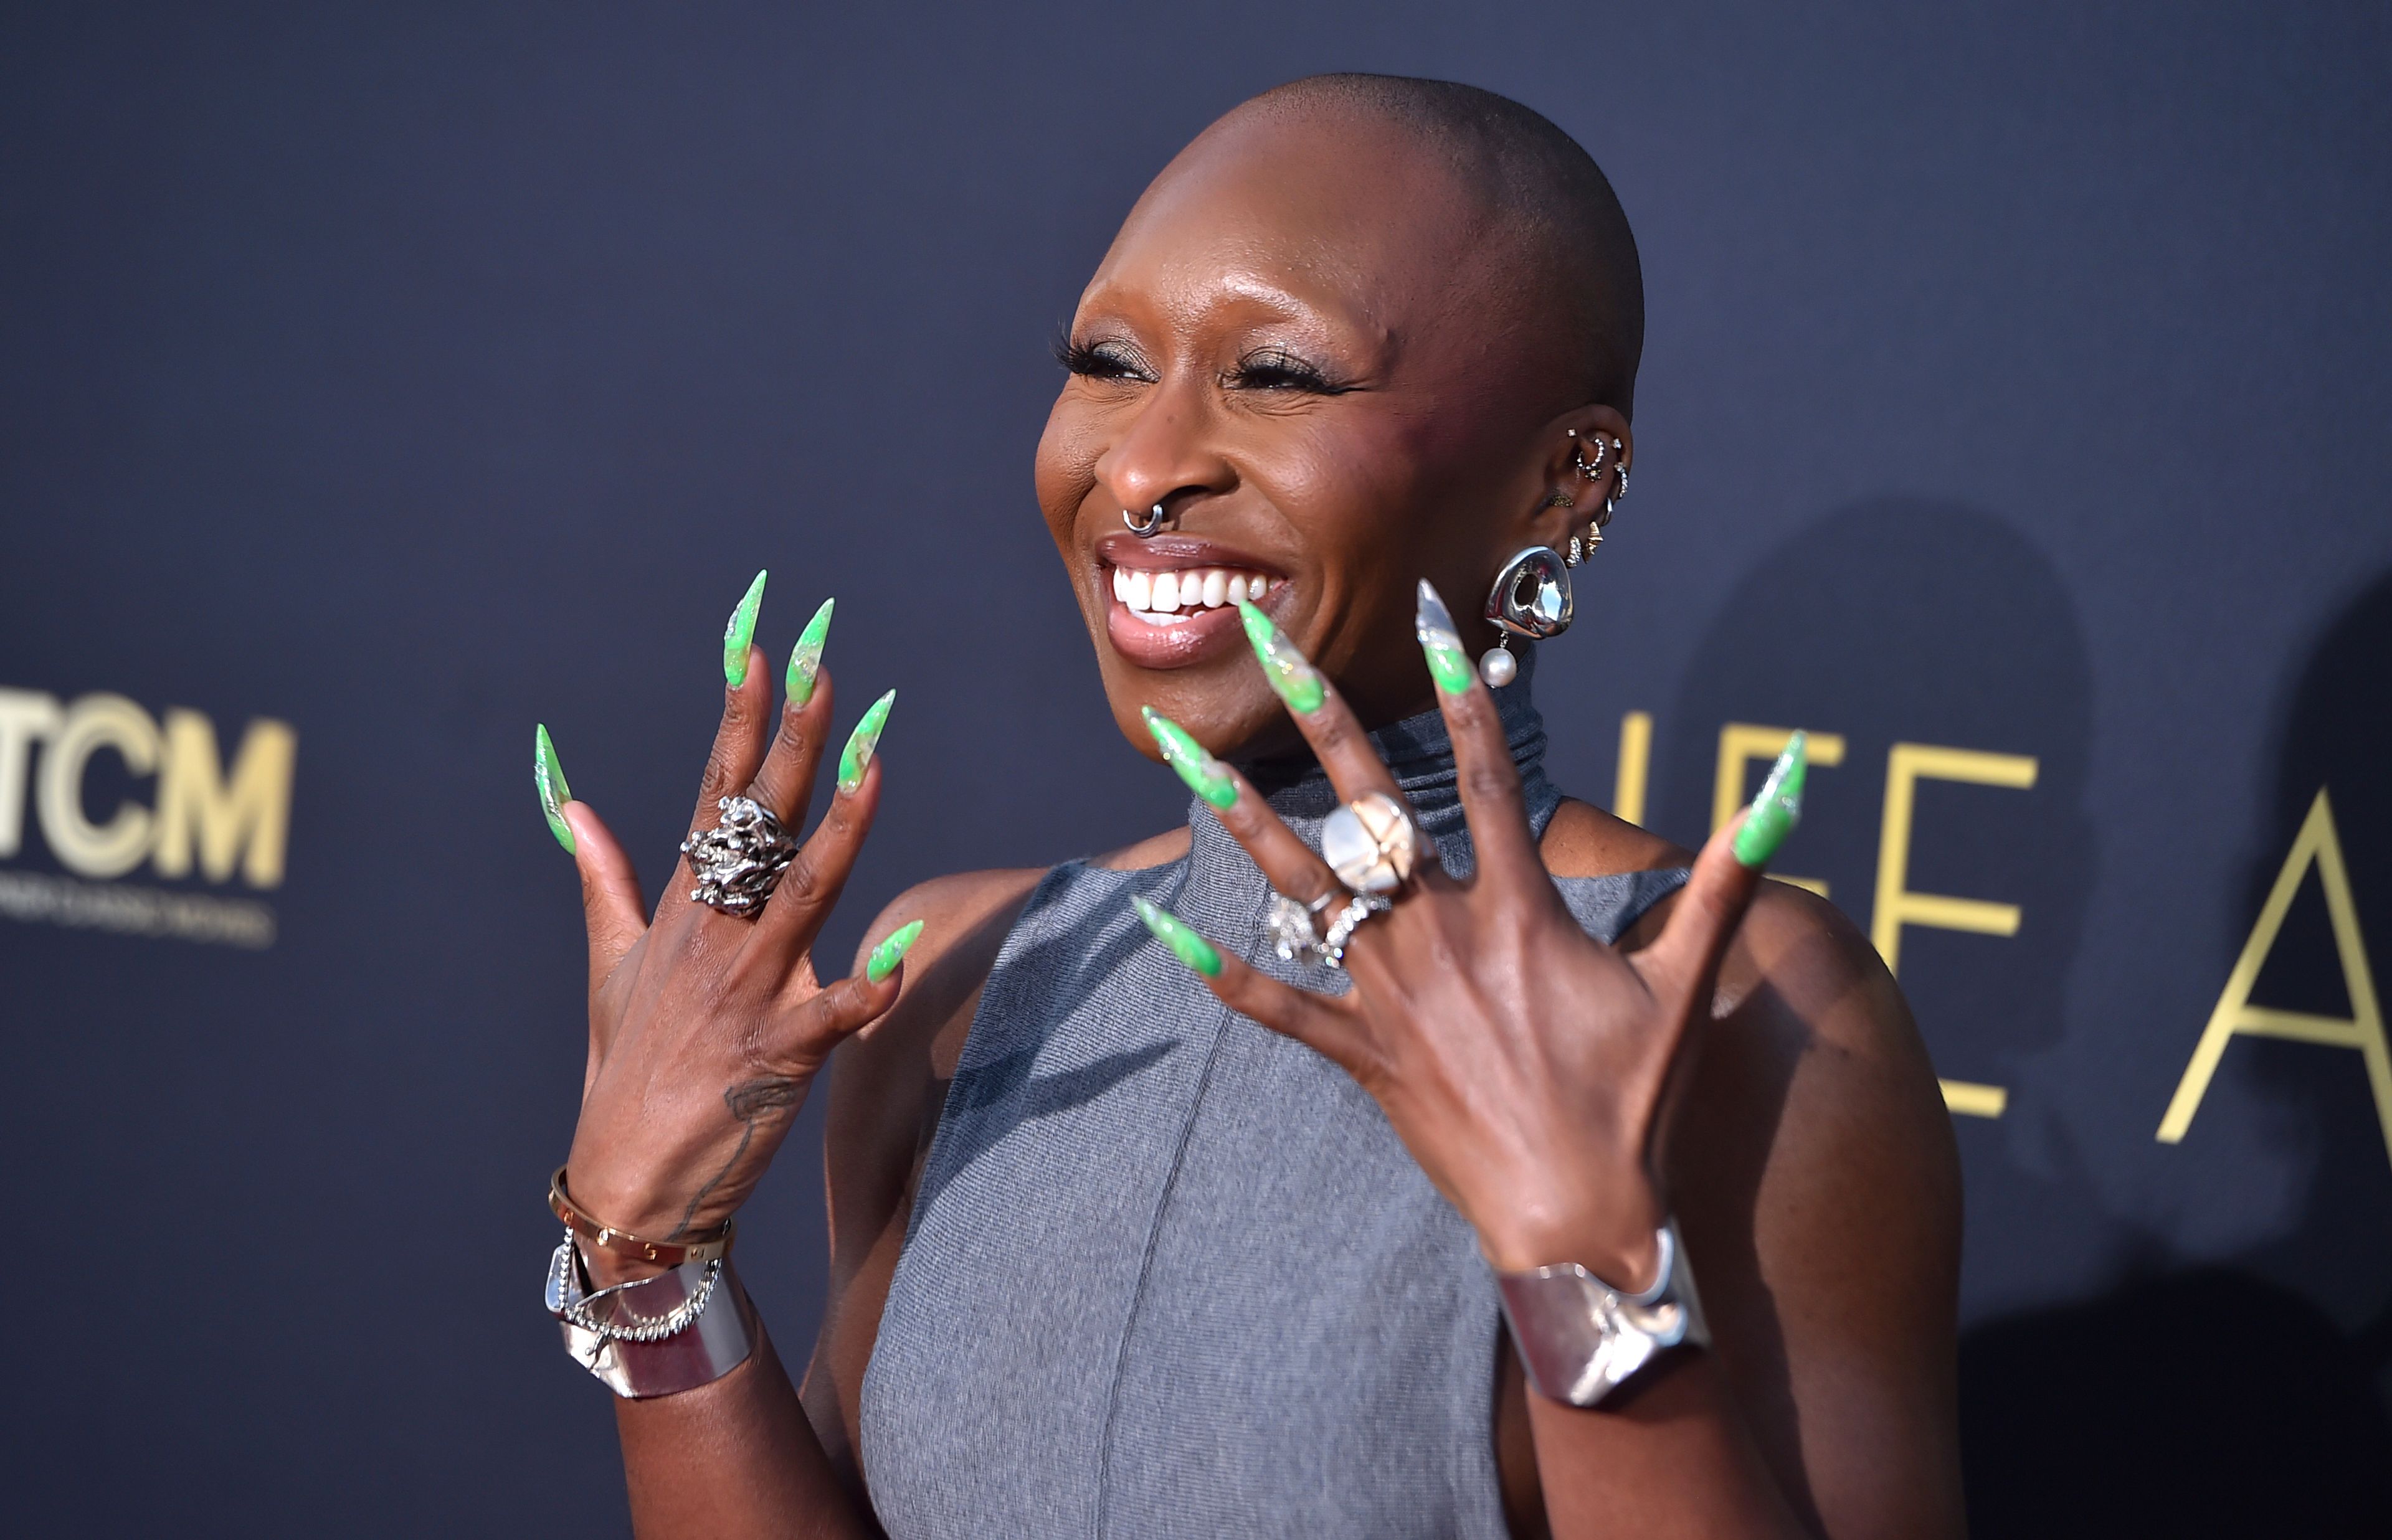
[(705, 1029)]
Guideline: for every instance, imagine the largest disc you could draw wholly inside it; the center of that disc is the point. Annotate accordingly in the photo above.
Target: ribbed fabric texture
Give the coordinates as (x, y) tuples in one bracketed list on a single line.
[(1170, 1274)]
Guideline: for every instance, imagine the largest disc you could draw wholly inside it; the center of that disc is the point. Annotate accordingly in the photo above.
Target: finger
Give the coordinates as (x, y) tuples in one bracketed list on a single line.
[(805, 1035), (1490, 781), (615, 912), (1686, 957), (786, 782), (1322, 715), (1291, 865), (808, 890), (1329, 1026), (738, 748)]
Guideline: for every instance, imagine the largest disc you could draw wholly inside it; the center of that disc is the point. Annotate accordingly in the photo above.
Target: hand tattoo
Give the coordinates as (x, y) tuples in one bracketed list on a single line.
[(748, 1101)]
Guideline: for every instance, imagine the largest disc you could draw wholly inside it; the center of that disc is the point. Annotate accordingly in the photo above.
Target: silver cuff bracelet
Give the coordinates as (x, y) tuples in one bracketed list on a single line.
[(684, 1327), (1581, 1338)]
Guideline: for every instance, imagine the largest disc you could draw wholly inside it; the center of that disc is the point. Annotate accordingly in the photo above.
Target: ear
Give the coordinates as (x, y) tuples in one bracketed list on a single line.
[(1565, 446)]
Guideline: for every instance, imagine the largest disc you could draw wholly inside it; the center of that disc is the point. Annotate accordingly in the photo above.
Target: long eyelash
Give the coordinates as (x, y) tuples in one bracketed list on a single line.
[(1089, 359), (1291, 372)]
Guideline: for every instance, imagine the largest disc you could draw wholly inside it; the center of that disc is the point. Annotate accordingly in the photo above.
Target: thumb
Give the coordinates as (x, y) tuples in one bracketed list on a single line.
[(613, 907)]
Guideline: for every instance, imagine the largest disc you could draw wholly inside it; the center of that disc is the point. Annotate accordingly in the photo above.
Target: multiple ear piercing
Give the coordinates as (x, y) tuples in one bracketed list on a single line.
[(1531, 596)]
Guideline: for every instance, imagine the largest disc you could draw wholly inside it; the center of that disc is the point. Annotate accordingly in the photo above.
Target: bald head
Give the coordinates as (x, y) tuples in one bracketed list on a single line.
[(1547, 209)]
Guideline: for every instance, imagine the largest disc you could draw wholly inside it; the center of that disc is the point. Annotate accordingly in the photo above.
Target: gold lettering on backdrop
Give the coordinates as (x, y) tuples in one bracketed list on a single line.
[(25, 714), (2363, 1029), (224, 815), (1635, 761), (1742, 743), (91, 724), (1907, 765)]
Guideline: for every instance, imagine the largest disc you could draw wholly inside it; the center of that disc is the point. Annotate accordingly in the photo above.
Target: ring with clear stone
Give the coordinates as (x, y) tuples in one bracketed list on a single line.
[(1295, 927), (1358, 908)]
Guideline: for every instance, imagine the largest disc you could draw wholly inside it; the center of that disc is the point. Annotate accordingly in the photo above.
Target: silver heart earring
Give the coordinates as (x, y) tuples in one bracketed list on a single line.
[(1531, 598)]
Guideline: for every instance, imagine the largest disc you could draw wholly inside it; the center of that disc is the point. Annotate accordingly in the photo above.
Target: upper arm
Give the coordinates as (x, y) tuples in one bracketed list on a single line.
[(1821, 1187)]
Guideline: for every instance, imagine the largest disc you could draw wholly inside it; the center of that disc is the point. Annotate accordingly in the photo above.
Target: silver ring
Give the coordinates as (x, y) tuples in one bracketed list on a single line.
[(1143, 528), (1293, 927), (1360, 907), (739, 861)]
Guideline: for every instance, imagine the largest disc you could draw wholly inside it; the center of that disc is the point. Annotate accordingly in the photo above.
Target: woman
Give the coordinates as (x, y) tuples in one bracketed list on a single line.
[(1218, 1235)]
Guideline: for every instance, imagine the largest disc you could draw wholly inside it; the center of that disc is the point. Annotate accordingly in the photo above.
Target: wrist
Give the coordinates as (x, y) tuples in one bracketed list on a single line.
[(1611, 1238)]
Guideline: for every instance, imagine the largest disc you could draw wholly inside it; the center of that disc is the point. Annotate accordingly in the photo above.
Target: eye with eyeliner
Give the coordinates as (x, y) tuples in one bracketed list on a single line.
[(1103, 358), (1277, 368)]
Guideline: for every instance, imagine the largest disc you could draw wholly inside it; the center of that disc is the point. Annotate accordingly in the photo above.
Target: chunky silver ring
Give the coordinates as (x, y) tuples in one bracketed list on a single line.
[(1370, 843), (1293, 927), (739, 861)]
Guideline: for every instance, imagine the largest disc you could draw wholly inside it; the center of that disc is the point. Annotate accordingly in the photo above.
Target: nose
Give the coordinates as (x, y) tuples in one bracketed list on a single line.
[(1164, 459)]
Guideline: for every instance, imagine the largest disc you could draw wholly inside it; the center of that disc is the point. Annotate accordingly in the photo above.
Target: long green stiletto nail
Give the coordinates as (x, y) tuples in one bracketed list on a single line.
[(1433, 623), (1296, 679), (1175, 933), (549, 776), (805, 659), (1777, 808), (856, 758), (1207, 776), (740, 632), (888, 953)]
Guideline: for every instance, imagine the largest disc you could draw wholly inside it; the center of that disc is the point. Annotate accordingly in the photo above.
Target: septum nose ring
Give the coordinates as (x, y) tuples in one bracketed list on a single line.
[(1144, 527)]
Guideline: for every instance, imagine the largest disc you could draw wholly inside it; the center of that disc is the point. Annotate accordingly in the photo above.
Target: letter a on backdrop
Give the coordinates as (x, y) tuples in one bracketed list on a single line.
[(2363, 1029)]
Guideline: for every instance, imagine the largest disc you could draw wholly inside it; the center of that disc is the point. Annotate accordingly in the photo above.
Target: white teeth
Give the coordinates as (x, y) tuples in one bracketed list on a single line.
[(1161, 596)]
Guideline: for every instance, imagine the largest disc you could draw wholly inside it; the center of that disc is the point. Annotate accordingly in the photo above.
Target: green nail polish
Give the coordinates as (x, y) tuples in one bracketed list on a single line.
[(1207, 776), (549, 776), (1448, 664), (888, 953), (1777, 808), (740, 632), (1297, 682), (1175, 933), (805, 660), (856, 758)]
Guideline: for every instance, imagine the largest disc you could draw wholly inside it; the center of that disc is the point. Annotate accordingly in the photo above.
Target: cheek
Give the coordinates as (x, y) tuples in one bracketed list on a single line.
[(1065, 471), (1348, 485)]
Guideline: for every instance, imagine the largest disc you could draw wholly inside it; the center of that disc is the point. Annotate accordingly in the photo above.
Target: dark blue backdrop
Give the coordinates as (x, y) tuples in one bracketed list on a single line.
[(2016, 383)]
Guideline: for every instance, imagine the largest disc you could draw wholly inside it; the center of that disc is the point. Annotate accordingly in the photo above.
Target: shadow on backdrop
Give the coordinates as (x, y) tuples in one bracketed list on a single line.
[(2248, 1398), (1910, 621)]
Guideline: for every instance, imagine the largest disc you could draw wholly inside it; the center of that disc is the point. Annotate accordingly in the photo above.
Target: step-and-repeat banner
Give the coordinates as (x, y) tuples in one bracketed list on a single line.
[(379, 385)]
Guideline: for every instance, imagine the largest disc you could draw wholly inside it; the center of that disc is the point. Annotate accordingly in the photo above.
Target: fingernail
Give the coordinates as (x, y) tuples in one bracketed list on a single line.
[(1448, 664), (888, 953), (1207, 776), (805, 660), (1185, 944), (856, 758), (1297, 682), (1778, 809), (549, 776), (739, 633)]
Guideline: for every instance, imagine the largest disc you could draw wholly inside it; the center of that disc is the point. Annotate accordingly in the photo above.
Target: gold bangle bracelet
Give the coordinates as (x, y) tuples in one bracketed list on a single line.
[(605, 1237)]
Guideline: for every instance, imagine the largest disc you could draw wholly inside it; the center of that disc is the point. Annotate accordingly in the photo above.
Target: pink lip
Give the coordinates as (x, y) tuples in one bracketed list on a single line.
[(1202, 634)]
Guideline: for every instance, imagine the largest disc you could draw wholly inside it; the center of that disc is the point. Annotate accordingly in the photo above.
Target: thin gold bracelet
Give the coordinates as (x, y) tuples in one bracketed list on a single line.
[(605, 1237)]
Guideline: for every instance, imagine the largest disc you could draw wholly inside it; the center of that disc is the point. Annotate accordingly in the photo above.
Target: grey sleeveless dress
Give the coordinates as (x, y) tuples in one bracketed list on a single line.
[(1170, 1274)]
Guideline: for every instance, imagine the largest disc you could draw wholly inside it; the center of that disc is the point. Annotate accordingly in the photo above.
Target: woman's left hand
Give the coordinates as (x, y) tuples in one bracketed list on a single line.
[(1527, 1066)]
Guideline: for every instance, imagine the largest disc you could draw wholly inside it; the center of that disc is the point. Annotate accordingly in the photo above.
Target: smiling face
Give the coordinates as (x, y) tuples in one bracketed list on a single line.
[(1320, 353)]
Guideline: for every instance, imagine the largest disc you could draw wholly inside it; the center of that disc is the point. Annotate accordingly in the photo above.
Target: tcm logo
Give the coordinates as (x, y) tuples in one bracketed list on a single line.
[(209, 816)]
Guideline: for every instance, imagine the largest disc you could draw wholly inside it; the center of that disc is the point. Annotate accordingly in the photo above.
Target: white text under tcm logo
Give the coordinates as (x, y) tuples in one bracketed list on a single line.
[(224, 820)]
